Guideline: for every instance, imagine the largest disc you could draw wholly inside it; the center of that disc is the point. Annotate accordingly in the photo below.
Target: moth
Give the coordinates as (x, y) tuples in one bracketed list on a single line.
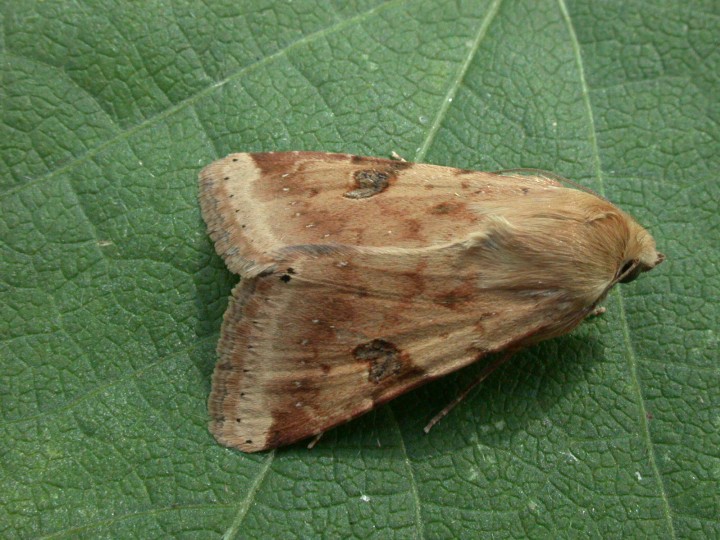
[(362, 278)]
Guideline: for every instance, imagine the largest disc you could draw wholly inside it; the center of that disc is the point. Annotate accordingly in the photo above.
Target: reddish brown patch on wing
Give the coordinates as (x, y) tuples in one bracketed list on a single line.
[(412, 287), (451, 208), (302, 397), (459, 295), (292, 414), (414, 228), (442, 208)]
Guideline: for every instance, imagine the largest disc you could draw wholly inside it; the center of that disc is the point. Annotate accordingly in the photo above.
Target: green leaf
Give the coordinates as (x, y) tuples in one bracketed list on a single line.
[(111, 296)]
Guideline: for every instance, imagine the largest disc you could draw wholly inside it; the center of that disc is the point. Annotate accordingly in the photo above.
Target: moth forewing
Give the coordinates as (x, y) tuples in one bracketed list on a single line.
[(365, 277)]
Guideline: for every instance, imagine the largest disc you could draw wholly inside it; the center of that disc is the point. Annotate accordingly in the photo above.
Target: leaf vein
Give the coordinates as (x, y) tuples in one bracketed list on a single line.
[(631, 357), (457, 81)]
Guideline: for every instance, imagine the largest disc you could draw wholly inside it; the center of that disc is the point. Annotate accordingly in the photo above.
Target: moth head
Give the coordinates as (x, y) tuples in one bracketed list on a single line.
[(640, 254)]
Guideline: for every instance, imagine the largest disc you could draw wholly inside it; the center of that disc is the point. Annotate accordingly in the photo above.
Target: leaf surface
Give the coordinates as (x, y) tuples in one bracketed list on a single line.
[(111, 296)]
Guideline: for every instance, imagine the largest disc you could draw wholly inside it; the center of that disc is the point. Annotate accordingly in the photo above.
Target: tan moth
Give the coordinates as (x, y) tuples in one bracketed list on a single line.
[(365, 277)]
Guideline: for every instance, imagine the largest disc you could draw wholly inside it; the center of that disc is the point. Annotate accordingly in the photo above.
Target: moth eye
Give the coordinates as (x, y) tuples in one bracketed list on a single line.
[(633, 272)]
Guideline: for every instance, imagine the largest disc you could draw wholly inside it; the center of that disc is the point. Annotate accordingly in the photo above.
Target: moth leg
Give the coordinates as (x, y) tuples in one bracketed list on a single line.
[(315, 440), (483, 375), (597, 311), (397, 156)]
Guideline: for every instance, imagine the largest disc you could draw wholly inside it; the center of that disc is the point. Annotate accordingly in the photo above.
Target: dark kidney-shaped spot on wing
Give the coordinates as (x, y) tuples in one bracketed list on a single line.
[(368, 182), (384, 359)]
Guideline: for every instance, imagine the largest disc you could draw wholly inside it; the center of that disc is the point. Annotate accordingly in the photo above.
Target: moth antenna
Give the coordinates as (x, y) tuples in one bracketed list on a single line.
[(551, 176), (626, 273), (483, 375), (315, 440)]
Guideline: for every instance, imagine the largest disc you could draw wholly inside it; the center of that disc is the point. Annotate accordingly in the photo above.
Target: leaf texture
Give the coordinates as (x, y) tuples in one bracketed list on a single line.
[(111, 295)]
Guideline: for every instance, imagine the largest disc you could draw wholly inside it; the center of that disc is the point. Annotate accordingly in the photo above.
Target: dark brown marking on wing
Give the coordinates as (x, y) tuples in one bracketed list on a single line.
[(368, 182), (389, 368), (384, 359), (375, 176)]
